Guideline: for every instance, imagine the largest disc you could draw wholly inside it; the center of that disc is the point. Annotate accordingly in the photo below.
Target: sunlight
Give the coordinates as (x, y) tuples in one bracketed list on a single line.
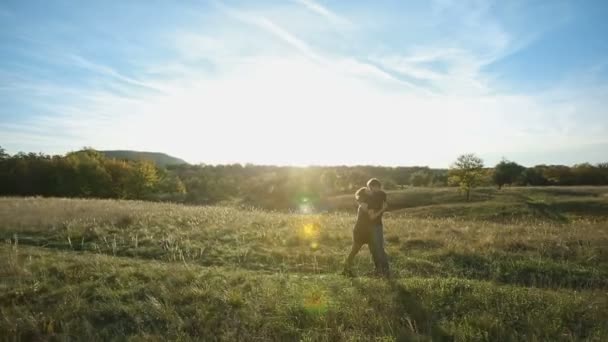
[(191, 170), (293, 111), (310, 231), (316, 302), (305, 206), (294, 125)]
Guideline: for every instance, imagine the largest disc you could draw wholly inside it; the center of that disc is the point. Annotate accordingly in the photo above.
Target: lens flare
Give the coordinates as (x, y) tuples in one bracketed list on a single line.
[(309, 234), (316, 302), (305, 206), (310, 231)]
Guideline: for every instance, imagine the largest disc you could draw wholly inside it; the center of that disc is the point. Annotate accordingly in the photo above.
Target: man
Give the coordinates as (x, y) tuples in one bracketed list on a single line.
[(362, 231), (377, 205)]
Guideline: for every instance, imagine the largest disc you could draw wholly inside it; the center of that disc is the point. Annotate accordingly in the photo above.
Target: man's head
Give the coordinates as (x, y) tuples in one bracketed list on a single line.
[(374, 185)]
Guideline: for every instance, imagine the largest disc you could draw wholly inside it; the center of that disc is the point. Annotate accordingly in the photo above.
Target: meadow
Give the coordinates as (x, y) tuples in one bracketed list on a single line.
[(518, 264)]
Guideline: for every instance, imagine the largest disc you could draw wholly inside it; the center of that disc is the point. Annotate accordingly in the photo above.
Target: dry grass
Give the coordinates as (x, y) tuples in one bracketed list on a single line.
[(103, 269)]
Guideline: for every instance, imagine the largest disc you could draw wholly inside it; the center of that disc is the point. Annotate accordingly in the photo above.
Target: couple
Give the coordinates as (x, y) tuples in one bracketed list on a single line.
[(368, 228)]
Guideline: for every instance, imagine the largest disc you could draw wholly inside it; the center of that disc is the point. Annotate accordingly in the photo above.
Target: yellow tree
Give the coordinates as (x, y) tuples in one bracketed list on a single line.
[(143, 180), (120, 172), (466, 172)]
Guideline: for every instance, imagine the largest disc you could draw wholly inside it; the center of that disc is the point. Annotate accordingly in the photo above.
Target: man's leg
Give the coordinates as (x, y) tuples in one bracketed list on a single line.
[(374, 248), (380, 258)]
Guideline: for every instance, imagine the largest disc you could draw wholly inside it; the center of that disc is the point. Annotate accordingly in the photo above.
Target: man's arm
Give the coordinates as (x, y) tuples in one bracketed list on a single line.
[(373, 214)]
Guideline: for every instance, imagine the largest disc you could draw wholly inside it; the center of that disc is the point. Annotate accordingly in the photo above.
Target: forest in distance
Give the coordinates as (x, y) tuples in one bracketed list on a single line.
[(92, 174)]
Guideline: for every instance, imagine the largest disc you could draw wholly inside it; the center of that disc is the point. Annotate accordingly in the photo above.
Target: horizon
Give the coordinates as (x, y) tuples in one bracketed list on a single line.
[(308, 83), (486, 165)]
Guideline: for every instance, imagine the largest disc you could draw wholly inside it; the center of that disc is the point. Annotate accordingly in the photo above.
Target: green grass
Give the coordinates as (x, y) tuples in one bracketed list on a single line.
[(124, 270), (527, 204)]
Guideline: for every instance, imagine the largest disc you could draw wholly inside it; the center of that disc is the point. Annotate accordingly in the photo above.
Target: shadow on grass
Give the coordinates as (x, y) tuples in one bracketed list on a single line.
[(409, 318), (422, 244), (591, 207), (523, 271), (546, 211)]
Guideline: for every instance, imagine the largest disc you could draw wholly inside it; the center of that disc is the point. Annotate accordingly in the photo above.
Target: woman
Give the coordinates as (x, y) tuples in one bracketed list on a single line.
[(362, 232)]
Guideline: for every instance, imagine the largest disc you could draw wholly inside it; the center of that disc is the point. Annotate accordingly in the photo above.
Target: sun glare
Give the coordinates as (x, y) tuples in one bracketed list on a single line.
[(305, 206), (310, 231)]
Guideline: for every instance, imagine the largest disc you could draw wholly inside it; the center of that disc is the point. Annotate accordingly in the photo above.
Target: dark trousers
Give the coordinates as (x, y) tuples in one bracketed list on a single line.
[(377, 250)]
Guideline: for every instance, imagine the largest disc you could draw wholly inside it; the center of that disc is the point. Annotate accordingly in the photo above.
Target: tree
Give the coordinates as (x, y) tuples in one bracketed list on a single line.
[(558, 175), (507, 172), (92, 179), (420, 178), (120, 173), (603, 169), (3, 154), (389, 184), (143, 179), (534, 176), (587, 174), (170, 188), (440, 178), (466, 172), (329, 181)]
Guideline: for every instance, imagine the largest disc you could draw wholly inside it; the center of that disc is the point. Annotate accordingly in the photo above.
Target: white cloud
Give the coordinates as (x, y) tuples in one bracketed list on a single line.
[(326, 13), (271, 96), (107, 71)]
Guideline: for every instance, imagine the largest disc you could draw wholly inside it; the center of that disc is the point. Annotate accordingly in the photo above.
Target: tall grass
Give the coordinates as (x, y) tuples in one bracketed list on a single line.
[(103, 270)]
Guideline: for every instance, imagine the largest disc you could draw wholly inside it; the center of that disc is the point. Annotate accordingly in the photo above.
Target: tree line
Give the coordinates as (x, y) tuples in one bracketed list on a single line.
[(468, 171), (85, 173), (510, 173), (88, 173)]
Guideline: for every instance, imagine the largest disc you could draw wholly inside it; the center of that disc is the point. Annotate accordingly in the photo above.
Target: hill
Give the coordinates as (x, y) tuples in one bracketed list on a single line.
[(550, 203), (161, 159), (107, 269)]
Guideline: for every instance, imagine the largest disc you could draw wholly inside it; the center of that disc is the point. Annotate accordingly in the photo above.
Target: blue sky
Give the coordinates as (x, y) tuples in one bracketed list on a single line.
[(308, 82)]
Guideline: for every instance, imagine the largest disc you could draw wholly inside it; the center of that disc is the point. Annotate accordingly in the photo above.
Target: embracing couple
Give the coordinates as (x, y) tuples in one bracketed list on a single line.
[(368, 228)]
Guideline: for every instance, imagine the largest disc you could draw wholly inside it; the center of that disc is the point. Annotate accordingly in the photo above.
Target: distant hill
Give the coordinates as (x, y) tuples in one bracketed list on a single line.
[(161, 159)]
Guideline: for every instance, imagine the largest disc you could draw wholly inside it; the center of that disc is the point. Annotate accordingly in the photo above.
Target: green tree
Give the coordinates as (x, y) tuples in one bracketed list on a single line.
[(603, 169), (467, 173), (91, 178), (559, 175), (329, 181), (534, 176), (440, 178), (507, 172), (3, 154), (143, 179), (587, 174), (389, 184), (420, 178), (170, 187), (120, 173)]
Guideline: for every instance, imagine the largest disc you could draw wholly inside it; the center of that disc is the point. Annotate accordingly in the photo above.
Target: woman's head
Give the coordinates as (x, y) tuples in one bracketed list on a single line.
[(361, 194)]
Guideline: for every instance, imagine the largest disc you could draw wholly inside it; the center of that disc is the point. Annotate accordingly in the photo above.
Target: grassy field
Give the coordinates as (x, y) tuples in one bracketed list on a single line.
[(520, 264)]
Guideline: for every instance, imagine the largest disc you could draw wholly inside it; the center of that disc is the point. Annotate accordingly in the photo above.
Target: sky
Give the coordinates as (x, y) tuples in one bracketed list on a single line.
[(308, 82)]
